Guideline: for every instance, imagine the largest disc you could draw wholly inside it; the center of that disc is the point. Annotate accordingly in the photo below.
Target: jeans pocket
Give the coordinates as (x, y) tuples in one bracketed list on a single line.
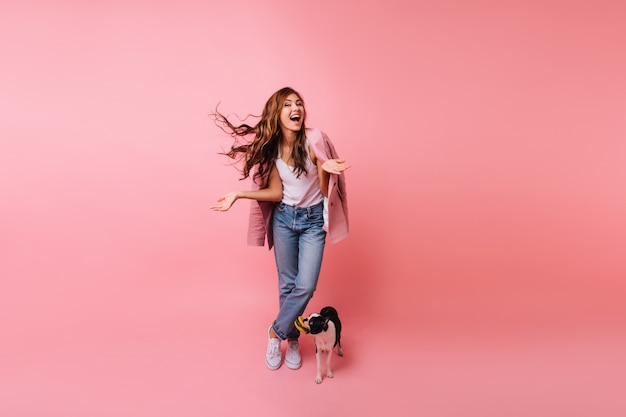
[(315, 216)]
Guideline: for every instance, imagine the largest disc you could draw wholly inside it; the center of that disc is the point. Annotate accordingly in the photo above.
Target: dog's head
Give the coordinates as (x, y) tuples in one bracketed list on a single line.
[(313, 324)]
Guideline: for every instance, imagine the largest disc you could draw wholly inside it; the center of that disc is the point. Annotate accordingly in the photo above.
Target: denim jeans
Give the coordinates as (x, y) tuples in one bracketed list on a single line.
[(299, 240)]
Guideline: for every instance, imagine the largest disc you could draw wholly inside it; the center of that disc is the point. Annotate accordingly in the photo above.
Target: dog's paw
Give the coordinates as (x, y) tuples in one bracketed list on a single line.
[(318, 379), (330, 374), (340, 351)]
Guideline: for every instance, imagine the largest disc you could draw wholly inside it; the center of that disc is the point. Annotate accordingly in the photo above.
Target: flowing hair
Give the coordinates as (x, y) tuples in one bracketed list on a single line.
[(257, 146)]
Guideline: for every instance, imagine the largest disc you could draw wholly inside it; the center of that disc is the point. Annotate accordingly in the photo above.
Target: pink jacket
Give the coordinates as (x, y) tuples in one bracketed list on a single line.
[(260, 221)]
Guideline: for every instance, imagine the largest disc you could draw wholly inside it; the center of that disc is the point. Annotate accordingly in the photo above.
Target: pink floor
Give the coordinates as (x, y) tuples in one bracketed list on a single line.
[(201, 358)]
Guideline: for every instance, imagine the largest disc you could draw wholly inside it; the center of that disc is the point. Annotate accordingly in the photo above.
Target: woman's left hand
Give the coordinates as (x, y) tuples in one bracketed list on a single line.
[(335, 166), (226, 201)]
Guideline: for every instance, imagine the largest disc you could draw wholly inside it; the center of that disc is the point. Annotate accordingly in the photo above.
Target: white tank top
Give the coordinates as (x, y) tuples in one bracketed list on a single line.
[(301, 192)]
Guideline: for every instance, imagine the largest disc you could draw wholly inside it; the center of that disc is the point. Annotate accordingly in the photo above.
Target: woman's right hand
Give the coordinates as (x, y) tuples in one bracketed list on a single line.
[(335, 166), (226, 201)]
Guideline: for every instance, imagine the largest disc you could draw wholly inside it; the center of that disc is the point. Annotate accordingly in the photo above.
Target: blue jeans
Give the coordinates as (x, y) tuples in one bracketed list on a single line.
[(299, 239)]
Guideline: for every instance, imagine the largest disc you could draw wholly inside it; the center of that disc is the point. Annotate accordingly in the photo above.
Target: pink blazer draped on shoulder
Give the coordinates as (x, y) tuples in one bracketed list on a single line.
[(260, 221)]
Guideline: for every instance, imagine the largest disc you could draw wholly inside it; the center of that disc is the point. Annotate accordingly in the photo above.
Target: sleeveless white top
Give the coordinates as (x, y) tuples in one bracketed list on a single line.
[(300, 192)]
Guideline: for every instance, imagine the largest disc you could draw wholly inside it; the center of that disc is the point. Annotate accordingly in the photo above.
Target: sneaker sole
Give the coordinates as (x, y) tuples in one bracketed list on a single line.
[(293, 365)]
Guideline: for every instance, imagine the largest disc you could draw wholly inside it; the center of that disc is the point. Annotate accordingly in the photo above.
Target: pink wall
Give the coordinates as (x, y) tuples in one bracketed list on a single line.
[(487, 190)]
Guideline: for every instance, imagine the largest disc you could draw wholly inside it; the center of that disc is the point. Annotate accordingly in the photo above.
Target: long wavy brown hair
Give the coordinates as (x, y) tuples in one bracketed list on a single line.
[(257, 146)]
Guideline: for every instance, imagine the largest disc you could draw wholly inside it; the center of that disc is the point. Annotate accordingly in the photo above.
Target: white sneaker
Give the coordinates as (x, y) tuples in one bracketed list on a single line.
[(273, 356), (293, 360)]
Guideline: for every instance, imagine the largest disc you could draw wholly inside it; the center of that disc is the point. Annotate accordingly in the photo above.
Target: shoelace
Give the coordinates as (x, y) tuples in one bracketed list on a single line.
[(273, 348)]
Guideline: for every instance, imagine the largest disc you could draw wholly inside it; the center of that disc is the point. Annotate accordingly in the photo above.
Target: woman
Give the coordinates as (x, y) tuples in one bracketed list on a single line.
[(298, 184)]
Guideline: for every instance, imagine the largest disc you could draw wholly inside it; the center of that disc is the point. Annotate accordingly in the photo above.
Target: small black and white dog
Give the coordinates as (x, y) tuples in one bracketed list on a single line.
[(325, 326)]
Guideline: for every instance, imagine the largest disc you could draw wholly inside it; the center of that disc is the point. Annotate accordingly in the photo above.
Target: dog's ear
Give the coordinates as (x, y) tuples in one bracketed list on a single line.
[(326, 323)]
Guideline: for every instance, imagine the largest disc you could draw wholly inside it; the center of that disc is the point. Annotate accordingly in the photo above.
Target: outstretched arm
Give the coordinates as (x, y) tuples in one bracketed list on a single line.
[(273, 192), (331, 166), (323, 177)]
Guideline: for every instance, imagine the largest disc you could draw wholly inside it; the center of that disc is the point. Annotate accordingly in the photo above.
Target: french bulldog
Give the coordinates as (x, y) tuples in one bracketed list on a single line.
[(325, 326)]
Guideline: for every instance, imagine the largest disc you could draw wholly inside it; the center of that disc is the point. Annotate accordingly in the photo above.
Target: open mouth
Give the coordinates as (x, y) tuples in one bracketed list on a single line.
[(295, 118)]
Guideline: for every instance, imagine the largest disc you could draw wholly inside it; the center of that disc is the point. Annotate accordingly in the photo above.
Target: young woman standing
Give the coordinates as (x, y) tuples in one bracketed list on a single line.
[(298, 197)]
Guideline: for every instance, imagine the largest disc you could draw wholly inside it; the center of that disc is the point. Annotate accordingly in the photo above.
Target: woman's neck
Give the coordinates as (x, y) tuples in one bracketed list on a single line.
[(289, 137)]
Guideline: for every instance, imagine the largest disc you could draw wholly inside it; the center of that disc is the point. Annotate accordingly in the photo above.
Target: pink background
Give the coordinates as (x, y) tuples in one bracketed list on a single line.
[(484, 275)]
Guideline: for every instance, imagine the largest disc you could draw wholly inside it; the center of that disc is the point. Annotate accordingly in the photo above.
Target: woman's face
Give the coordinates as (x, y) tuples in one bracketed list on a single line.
[(292, 113)]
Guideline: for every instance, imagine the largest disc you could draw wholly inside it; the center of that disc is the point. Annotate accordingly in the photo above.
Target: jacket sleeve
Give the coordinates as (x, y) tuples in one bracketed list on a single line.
[(260, 220), (337, 194)]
